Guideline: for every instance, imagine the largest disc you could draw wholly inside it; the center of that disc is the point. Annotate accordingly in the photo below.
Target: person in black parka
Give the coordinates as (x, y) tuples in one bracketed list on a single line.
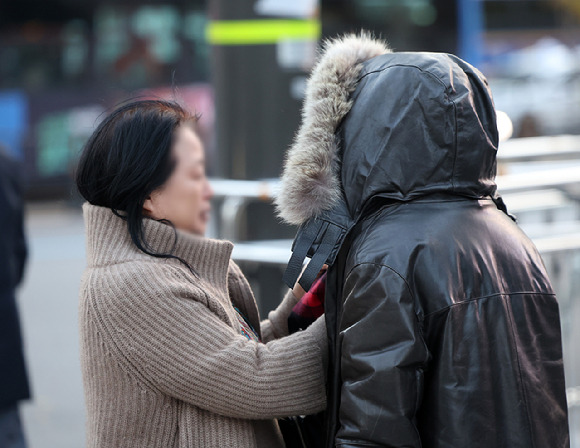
[(14, 385), (443, 327)]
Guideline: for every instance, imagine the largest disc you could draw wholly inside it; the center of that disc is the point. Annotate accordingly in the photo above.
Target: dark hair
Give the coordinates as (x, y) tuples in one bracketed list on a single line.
[(128, 157)]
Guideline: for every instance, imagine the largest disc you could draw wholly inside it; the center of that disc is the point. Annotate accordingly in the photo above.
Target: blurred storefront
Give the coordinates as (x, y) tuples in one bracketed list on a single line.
[(528, 49), (64, 63), (532, 59)]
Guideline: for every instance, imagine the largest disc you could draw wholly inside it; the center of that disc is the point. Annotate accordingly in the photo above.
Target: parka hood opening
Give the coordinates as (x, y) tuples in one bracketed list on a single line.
[(310, 181), (378, 123)]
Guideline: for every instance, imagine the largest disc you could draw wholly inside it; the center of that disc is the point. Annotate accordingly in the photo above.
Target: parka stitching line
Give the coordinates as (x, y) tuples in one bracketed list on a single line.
[(425, 200), (454, 143), (426, 72), (522, 382), (496, 295), (370, 263), (355, 443)]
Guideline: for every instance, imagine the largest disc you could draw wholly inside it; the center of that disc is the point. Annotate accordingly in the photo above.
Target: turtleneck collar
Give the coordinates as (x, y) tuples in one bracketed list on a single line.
[(108, 242)]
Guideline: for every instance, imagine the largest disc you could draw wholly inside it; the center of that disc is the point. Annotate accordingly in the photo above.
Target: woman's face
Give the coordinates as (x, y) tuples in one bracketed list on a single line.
[(185, 197)]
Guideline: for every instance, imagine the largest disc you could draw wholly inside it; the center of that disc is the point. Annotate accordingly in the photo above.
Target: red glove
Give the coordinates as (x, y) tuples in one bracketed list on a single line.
[(309, 308)]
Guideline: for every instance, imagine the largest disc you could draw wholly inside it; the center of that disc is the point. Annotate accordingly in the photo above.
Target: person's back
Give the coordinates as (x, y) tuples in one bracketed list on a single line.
[(13, 376), (443, 327), (478, 347)]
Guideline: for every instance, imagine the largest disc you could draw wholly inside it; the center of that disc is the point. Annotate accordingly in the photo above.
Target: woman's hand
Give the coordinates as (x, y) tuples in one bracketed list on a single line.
[(298, 290)]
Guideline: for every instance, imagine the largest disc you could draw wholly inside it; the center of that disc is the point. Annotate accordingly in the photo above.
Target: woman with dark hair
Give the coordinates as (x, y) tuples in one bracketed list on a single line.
[(172, 349)]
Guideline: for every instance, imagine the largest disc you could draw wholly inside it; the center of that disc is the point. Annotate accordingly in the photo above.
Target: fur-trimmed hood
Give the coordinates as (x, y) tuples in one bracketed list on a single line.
[(310, 182), (382, 124)]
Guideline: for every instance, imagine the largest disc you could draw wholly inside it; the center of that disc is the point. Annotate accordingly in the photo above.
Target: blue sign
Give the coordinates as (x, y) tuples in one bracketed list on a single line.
[(13, 121)]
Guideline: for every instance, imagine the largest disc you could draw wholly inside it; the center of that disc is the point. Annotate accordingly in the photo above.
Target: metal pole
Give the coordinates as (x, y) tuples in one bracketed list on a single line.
[(470, 19)]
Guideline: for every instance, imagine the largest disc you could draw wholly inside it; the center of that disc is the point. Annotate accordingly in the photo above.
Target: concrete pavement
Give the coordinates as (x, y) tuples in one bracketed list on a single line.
[(48, 303)]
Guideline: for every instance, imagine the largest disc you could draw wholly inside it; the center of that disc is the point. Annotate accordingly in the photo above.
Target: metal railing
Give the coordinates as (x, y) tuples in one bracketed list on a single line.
[(535, 149), (236, 195)]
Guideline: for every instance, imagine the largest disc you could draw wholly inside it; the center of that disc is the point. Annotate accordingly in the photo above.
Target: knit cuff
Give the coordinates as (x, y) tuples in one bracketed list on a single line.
[(276, 326), (318, 332)]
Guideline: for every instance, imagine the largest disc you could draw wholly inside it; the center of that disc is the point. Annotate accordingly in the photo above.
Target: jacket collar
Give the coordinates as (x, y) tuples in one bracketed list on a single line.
[(108, 242)]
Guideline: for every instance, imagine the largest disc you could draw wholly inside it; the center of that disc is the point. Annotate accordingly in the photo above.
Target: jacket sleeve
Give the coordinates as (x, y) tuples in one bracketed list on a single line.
[(21, 248), (13, 242), (382, 360), (171, 339)]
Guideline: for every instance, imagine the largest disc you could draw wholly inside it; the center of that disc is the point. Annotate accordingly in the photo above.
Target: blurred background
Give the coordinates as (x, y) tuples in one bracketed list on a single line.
[(242, 65)]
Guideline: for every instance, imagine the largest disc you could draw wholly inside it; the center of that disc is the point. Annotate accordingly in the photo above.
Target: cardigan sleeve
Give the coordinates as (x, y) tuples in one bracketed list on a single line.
[(276, 326), (171, 339)]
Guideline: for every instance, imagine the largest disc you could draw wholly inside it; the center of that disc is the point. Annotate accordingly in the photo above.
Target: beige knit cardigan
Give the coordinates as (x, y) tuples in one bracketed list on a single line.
[(163, 360)]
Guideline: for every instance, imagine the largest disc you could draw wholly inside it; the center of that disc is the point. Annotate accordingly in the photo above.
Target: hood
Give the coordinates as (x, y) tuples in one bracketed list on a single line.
[(378, 123), (421, 123), (310, 181)]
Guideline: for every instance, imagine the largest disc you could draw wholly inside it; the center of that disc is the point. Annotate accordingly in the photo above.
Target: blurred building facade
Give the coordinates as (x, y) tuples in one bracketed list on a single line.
[(63, 62)]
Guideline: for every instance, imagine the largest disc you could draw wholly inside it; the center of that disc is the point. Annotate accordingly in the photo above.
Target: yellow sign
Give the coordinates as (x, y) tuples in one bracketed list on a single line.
[(260, 32)]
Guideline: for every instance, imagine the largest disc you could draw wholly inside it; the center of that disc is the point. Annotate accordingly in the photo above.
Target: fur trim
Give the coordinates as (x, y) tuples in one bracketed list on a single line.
[(310, 181)]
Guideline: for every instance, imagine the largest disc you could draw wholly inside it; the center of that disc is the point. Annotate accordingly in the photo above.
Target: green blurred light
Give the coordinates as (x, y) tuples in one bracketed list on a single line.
[(424, 14)]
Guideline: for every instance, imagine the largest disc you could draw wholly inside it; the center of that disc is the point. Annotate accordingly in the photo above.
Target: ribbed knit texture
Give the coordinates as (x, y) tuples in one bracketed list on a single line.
[(163, 360)]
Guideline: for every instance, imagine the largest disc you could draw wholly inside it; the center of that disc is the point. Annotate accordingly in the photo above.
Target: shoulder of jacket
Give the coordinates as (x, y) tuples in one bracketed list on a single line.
[(368, 234)]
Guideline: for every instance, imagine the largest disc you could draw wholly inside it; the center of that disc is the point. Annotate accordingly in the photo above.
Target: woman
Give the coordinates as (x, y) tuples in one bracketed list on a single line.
[(172, 350)]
